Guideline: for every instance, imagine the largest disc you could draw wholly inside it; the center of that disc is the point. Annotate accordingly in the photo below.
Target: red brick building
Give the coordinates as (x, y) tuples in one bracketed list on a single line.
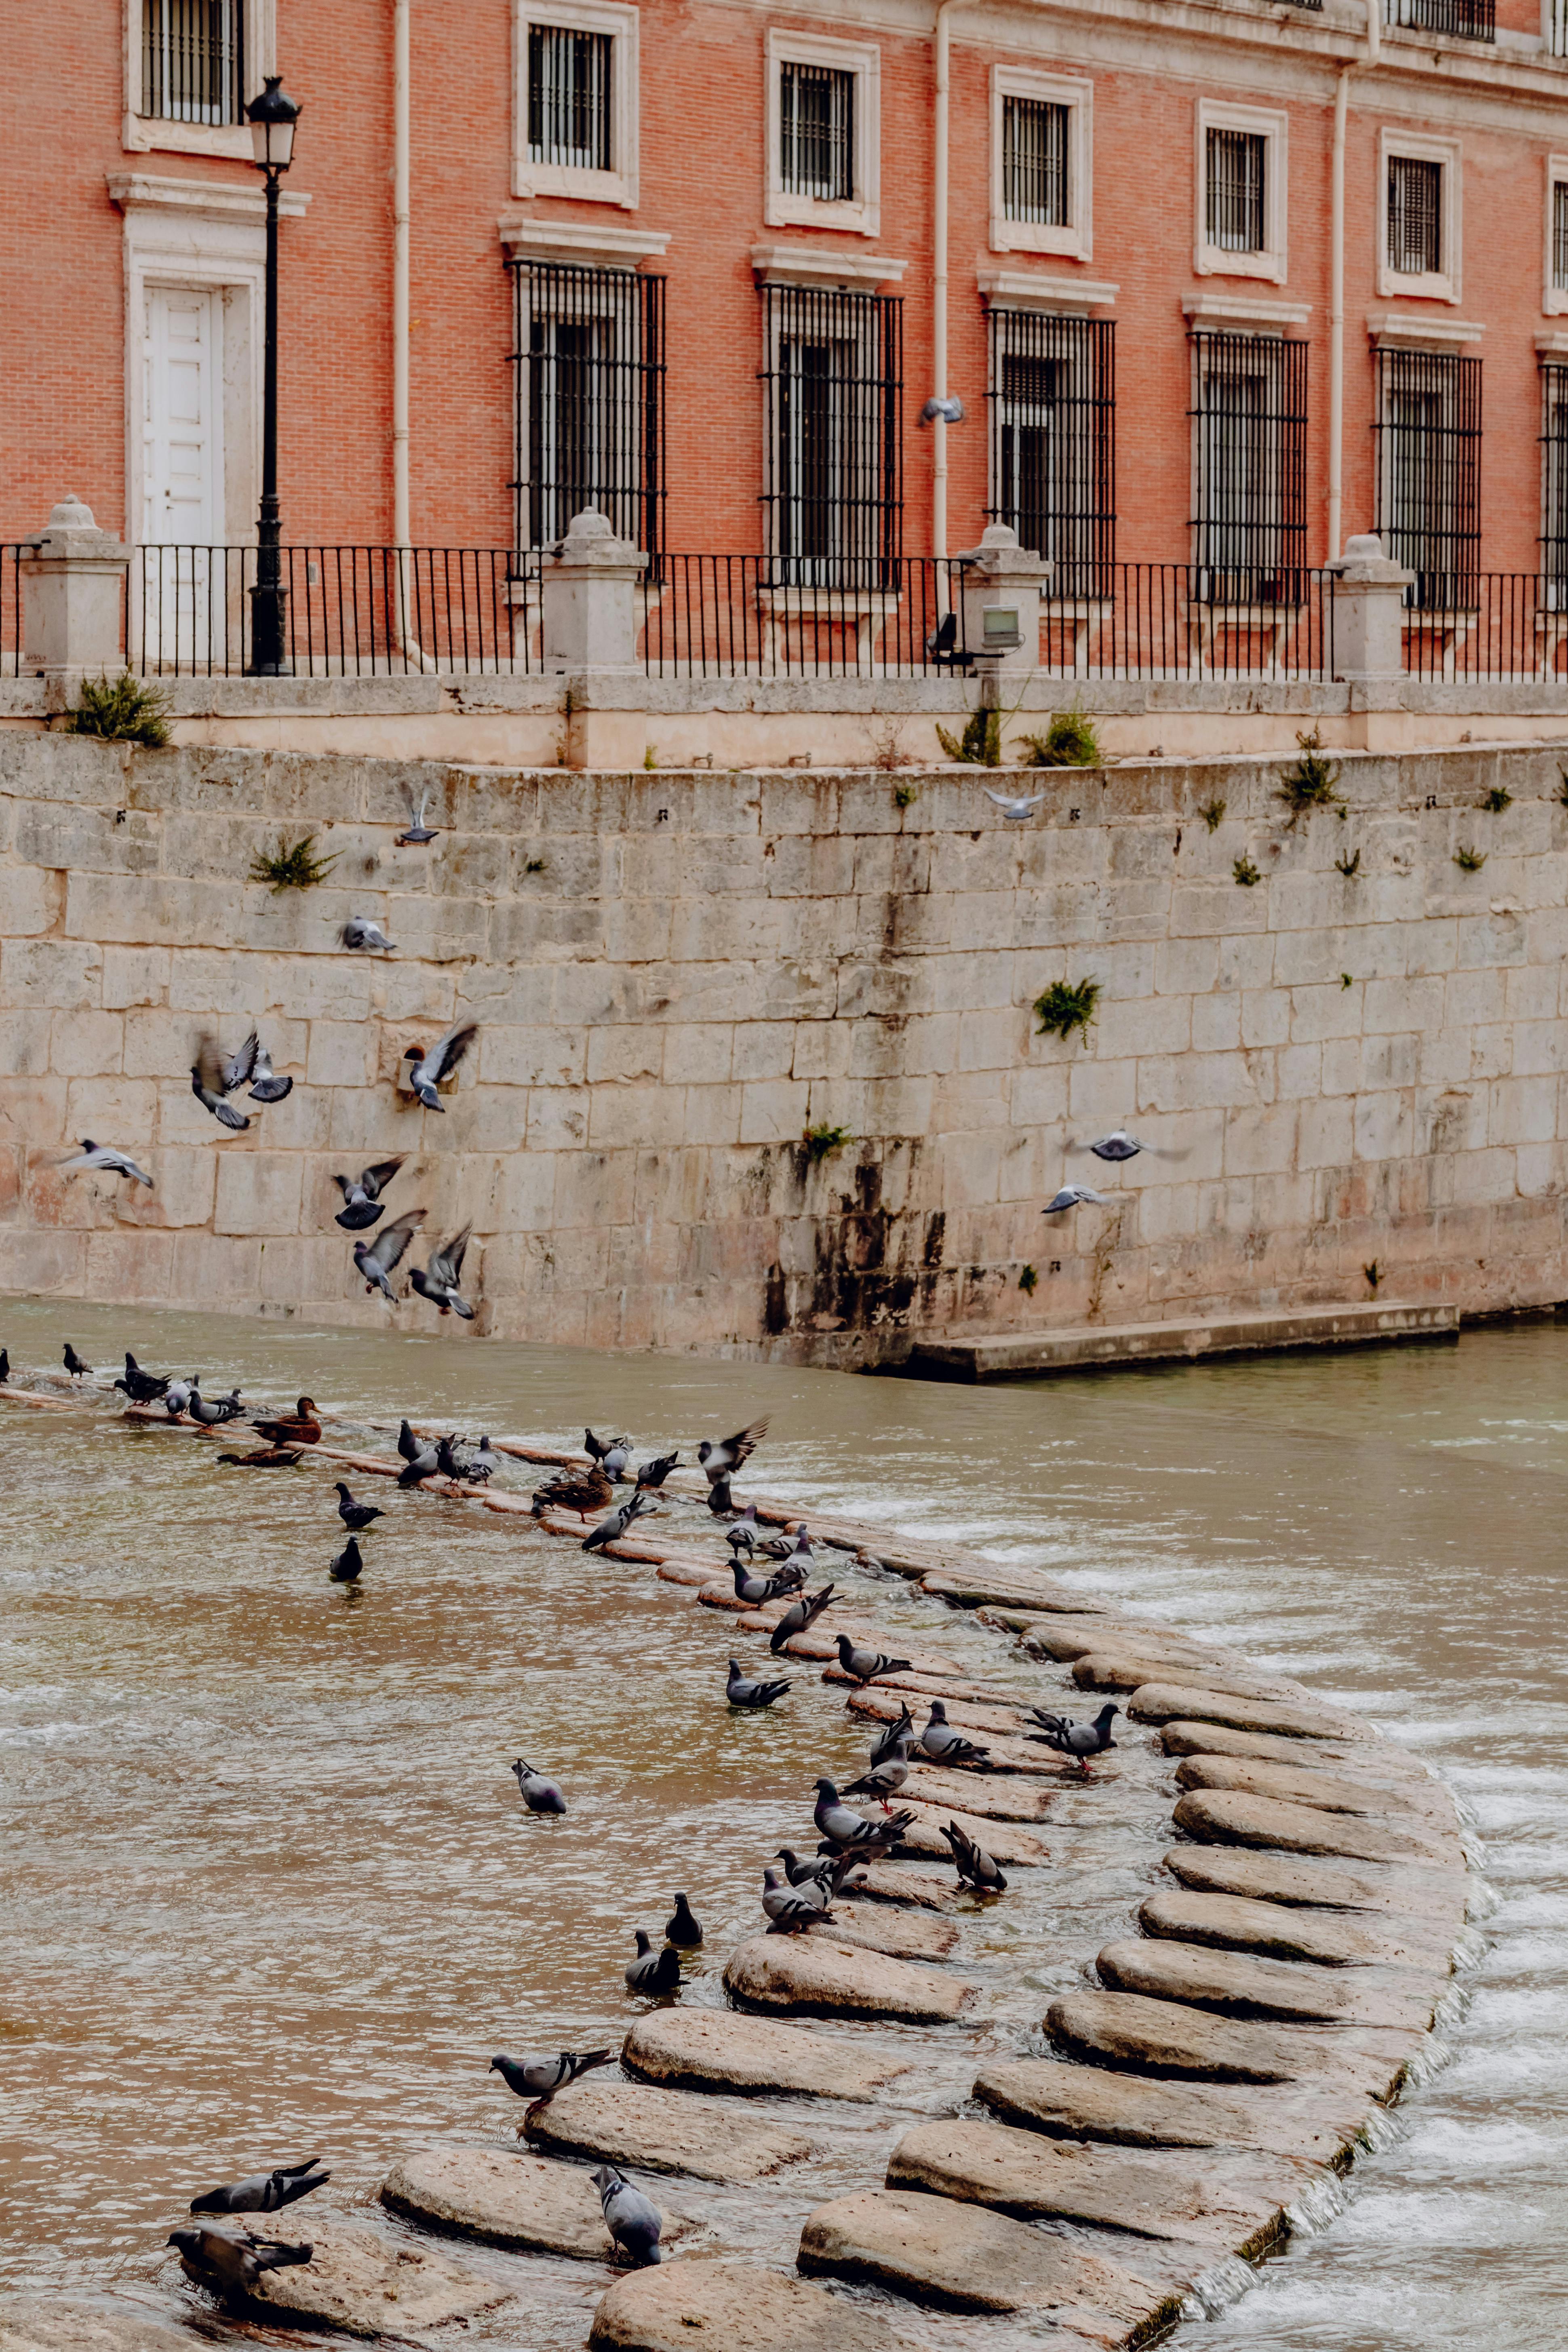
[(679, 260)]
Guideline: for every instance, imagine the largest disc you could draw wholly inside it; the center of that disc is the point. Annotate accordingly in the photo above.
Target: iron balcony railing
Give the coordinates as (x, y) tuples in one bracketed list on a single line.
[(1187, 621), (718, 615), (1464, 20)]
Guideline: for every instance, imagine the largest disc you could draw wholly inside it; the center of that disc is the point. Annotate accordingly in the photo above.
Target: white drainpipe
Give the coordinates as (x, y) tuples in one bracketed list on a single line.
[(939, 287), (1337, 281), (400, 147)]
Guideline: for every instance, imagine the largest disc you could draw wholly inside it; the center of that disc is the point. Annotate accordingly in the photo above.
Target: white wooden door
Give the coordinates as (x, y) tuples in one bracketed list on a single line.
[(182, 472)]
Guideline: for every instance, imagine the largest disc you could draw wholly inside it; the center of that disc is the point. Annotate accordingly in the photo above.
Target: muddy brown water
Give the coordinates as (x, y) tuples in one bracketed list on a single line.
[(267, 1889)]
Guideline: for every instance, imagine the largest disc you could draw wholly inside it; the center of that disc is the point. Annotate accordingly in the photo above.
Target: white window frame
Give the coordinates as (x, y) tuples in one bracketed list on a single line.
[(1074, 238), (862, 215), (1274, 129), (618, 185), (147, 134), (1445, 285), (1554, 298)]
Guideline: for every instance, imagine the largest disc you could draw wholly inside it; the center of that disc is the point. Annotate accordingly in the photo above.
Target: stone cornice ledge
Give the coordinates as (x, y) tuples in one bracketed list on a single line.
[(527, 236), (813, 265), (202, 199), (1216, 309), (1004, 288), (1411, 330)]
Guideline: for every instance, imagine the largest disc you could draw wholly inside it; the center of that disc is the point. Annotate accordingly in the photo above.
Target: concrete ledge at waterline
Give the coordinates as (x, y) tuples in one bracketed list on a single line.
[(714, 2050), (1030, 1354), (501, 2198), (1228, 1817), (1093, 2102), (1160, 1702), (818, 1976), (1391, 1894), (1241, 1984), (661, 2131), (1281, 1931), (724, 2306), (32, 2324), (968, 2258), (1167, 2037), (363, 2285)]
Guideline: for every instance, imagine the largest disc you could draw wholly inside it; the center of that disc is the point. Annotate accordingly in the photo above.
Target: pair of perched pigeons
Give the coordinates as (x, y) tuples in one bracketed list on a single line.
[(425, 1457)]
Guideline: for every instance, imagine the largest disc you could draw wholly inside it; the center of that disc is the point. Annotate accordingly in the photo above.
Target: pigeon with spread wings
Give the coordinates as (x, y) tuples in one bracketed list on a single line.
[(429, 1065), (379, 1259)]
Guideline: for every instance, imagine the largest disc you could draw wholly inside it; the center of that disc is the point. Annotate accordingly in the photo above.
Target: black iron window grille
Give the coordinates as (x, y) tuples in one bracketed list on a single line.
[(1554, 484), (1235, 190), (1053, 443), (193, 60), (833, 387), (1466, 20), (1557, 30), (817, 132), (1249, 468), (1428, 424), (1560, 236), (1415, 215), (569, 97), (588, 356), (1035, 161)]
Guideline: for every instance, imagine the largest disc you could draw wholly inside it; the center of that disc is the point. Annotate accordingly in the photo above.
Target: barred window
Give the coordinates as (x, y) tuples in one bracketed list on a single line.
[(1233, 191), (1035, 161), (193, 60), (1465, 20), (1250, 469), (1560, 236), (1053, 443), (1428, 424), (817, 132), (569, 97), (588, 356), (833, 382), (1554, 482), (1415, 215)]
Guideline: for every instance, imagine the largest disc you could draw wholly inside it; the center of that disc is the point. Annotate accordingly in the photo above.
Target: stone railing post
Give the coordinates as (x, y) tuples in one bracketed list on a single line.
[(1003, 584), (73, 597), (588, 593), (1368, 608)]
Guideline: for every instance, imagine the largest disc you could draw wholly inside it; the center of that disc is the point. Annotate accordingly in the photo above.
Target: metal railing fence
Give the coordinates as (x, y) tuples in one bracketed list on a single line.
[(1497, 628), (714, 616), (1187, 621)]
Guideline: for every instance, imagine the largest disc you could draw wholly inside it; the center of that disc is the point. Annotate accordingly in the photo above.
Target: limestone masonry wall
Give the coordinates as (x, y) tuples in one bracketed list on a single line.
[(676, 975)]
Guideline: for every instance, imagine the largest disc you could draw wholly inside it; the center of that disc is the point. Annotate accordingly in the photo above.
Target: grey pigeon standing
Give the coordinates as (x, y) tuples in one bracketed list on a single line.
[(482, 1466), (751, 1588), (654, 1973), (882, 1781), (943, 1745), (742, 1533), (837, 1821), (355, 1516), (615, 1523), (212, 1411), (681, 1929), (378, 1259), (349, 1565), (232, 2259), (540, 1795), (363, 1205), (632, 2219), (362, 934), (420, 1458), (428, 1064), (103, 1160), (975, 1866), (1078, 1741), (655, 1473), (142, 1387), (867, 1665), (437, 1281), (741, 1691), (539, 2079), (799, 1618), (77, 1366), (791, 1909), (265, 2192)]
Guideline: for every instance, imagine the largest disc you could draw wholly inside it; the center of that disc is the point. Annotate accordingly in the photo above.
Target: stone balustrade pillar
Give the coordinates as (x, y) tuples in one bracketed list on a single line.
[(73, 597), (1002, 586), (588, 595), (1368, 613)]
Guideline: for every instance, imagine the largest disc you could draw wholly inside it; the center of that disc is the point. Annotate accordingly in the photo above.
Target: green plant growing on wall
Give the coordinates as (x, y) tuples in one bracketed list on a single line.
[(1373, 1273), (904, 796), (121, 710), (647, 759), (1562, 788), (1246, 873), (821, 1140), (980, 745), (1496, 801), (1310, 784), (1071, 740), (1028, 1281), (1349, 866), (295, 865), (1347, 980), (1469, 861), (534, 866), (1065, 1006), (1213, 815)]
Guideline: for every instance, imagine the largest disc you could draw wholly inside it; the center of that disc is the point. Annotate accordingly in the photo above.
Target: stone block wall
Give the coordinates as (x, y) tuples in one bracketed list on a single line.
[(677, 977)]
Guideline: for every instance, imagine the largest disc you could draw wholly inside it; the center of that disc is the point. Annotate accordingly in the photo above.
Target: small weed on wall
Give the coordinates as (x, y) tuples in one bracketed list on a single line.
[(294, 866), (820, 1141), (123, 711), (1065, 1006)]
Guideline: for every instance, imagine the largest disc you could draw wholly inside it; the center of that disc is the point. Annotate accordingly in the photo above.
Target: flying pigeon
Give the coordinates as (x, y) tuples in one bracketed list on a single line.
[(1074, 1196), (656, 1973), (1120, 1145), (142, 1388), (614, 1525), (356, 1515), (895, 1739), (347, 1566), (791, 1908), (1017, 808), (799, 1618), (633, 2220), (655, 1473), (741, 1691), (214, 1074), (102, 1158), (265, 2192), (943, 1745), (721, 1458), (234, 2259), (865, 1665), (418, 834), (77, 1366), (362, 1204), (681, 1929), (539, 2079), (428, 1064), (882, 1781), (266, 1087), (361, 933), (1078, 1741), (945, 406), (378, 1259), (540, 1795), (976, 1867), (437, 1281)]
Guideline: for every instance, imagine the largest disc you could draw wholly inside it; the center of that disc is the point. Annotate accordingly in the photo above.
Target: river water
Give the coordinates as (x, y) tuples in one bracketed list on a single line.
[(265, 1886)]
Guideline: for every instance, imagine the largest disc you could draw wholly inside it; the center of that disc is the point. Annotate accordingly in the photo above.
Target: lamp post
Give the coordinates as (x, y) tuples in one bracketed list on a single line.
[(273, 117)]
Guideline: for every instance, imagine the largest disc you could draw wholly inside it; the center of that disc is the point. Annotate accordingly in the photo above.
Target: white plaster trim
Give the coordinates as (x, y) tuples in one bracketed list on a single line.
[(141, 134), (1026, 289), (1554, 298), (862, 216), (811, 264), (1221, 309), (618, 185), (1415, 334), (1213, 260), (1074, 238), (1553, 346), (1443, 285), (602, 244), (200, 200)]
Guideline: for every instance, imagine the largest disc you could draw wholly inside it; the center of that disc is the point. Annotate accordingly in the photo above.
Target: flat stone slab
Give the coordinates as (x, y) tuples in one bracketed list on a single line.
[(1224, 1817), (902, 1936), (1436, 1897), (989, 1796), (879, 1704), (967, 2258), (927, 1681), (967, 1585), (1168, 2037), (716, 2050), (894, 1882), (1232, 1922), (65, 2324), (661, 2131), (502, 2198), (1005, 1841), (694, 1573), (1067, 1638), (1069, 2102), (1239, 1984), (820, 1975), (1163, 1702), (1132, 1669), (1378, 1762), (1222, 2203), (1424, 1807), (364, 2285), (726, 2306)]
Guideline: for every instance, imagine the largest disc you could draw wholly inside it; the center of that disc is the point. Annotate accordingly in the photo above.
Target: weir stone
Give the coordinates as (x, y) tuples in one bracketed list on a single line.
[(661, 2131), (817, 1975), (723, 2306), (714, 2050), (1068, 2102)]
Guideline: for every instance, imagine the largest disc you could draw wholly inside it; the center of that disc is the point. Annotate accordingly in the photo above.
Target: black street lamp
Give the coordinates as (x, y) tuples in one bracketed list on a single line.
[(273, 117)]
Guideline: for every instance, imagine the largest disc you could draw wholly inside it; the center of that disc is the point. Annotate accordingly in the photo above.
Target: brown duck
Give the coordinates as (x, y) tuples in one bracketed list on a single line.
[(574, 1490), (300, 1428)]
